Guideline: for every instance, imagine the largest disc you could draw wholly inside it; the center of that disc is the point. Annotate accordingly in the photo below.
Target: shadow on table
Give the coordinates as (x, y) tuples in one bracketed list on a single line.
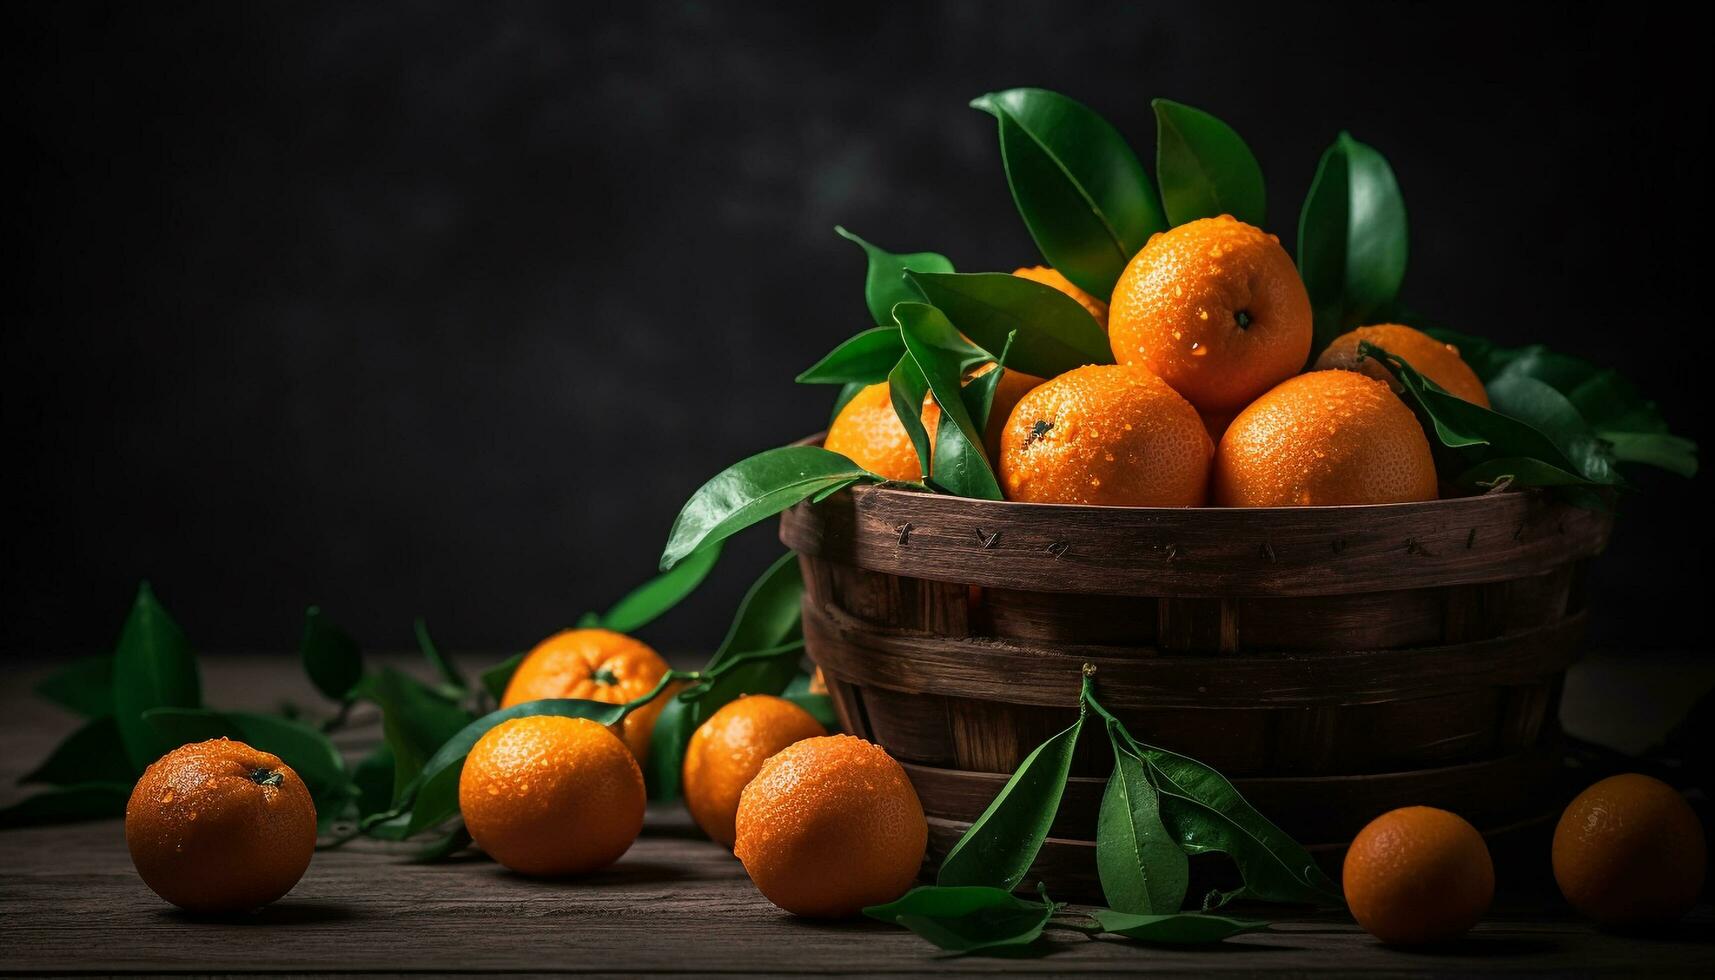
[(279, 914), (626, 872)]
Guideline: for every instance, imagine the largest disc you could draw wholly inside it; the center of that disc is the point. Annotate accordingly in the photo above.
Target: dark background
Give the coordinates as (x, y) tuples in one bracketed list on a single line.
[(444, 308)]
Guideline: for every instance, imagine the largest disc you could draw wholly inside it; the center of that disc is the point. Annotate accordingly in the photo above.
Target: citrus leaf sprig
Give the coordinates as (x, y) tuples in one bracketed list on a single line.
[(1352, 239), (1159, 808)]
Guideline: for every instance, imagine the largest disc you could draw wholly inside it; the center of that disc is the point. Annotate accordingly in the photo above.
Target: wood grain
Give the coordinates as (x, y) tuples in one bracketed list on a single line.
[(1207, 552), (674, 905)]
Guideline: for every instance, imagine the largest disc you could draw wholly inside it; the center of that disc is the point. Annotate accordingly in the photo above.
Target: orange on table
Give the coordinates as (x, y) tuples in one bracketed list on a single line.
[(727, 750), (597, 665), (830, 825), (1437, 361), (1216, 308), (550, 795), (219, 826), (1322, 439), (868, 432), (1106, 434), (1418, 875), (1051, 277), (1629, 850)]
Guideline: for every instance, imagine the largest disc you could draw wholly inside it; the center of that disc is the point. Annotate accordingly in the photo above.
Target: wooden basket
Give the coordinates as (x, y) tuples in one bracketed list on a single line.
[(1336, 662)]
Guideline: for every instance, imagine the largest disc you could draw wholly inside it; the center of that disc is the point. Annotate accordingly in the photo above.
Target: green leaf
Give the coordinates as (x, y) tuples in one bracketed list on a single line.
[(1052, 333), (960, 465), (331, 657), (664, 767), (432, 653), (864, 359), (906, 388), (65, 804), (436, 788), (1205, 169), (644, 604), (415, 719), (966, 919), (1141, 867), (769, 614), (153, 667), (1472, 435), (495, 679), (1549, 412), (1081, 190), (307, 751), (1669, 452), (1351, 239), (373, 779), (885, 284), (754, 490), (1204, 813), (93, 754), (1177, 929), (820, 706), (454, 841), (999, 847), (766, 671), (978, 393), (85, 686)]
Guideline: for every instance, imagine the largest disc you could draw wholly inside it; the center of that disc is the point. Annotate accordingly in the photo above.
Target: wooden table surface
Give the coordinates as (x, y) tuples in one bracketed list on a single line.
[(676, 903)]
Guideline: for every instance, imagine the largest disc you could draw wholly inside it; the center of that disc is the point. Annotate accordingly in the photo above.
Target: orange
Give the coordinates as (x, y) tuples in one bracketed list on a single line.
[(1418, 875), (868, 432), (218, 826), (1628, 851), (1324, 438), (1216, 308), (1106, 434), (1431, 358), (729, 748), (550, 795), (830, 825), (597, 665), (1052, 277)]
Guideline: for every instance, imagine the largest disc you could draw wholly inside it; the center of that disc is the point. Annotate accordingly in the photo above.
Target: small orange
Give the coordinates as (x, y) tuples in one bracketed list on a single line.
[(1418, 875), (1320, 439), (598, 665), (1106, 434), (727, 750), (1052, 277), (550, 795), (1629, 851), (218, 826), (830, 825), (1431, 358), (1216, 308), (868, 432)]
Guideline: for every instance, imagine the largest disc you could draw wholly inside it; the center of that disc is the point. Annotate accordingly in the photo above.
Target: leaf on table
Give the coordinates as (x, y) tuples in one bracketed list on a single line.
[(84, 686), (1140, 865), (968, 918), (1174, 929), (753, 490), (495, 679), (863, 359), (644, 604), (1083, 194), (94, 753), (443, 667), (1001, 844), (65, 804), (1051, 332), (415, 720), (332, 659), (1352, 241), (885, 283), (960, 465), (1205, 169), (153, 667)]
